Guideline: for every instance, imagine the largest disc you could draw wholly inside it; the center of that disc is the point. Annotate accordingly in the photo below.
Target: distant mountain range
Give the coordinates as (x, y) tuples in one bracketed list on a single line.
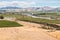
[(42, 9), (9, 7), (49, 9)]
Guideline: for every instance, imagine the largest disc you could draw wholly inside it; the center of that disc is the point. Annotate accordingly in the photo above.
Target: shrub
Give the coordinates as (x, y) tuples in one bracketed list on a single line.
[(1, 17)]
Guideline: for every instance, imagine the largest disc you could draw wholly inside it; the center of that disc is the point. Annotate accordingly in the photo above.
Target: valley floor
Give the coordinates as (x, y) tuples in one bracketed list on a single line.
[(29, 31)]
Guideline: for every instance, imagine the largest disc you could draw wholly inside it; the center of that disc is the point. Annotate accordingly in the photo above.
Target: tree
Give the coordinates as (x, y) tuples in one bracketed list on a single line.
[(1, 17)]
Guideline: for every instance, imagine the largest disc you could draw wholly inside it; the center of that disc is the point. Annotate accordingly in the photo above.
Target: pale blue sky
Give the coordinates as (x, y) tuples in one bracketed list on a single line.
[(30, 3)]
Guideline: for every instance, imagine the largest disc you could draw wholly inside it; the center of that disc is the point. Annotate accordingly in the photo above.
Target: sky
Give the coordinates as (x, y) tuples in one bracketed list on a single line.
[(30, 3)]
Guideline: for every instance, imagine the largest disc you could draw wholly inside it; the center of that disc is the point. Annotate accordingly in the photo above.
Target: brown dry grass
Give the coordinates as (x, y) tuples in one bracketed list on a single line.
[(28, 32), (55, 34)]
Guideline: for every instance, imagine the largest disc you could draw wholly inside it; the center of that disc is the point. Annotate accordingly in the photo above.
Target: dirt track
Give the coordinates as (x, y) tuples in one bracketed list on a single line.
[(27, 32)]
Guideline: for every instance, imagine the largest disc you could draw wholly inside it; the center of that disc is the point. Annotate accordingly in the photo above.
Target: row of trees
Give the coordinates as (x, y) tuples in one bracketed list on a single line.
[(50, 26)]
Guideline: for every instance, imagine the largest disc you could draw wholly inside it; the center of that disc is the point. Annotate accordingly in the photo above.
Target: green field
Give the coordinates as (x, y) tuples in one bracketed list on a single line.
[(6, 23), (50, 23), (38, 20), (46, 22), (27, 18)]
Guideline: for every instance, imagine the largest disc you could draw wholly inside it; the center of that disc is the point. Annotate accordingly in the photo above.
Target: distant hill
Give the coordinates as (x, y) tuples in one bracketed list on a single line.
[(48, 9), (10, 7), (41, 9)]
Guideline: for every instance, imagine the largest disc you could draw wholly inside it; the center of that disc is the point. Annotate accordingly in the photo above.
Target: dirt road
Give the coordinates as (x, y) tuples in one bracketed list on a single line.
[(27, 32)]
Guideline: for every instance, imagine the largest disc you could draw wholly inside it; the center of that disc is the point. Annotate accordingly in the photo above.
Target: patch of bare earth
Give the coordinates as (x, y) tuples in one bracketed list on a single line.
[(55, 34), (29, 31)]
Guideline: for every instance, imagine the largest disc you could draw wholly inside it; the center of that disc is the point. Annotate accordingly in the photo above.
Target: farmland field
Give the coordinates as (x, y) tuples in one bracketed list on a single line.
[(29, 18), (6, 23)]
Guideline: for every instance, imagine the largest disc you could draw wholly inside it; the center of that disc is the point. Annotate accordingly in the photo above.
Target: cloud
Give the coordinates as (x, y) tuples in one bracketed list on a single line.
[(29, 3), (17, 3)]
